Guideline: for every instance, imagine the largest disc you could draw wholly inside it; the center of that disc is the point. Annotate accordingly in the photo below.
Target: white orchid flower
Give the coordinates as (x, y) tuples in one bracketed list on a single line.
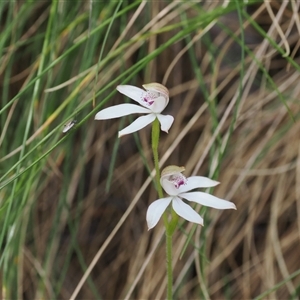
[(177, 187), (152, 100)]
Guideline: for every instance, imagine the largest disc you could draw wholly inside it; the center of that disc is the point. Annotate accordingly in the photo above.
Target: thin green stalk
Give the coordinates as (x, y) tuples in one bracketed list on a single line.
[(155, 142), (169, 229), (169, 265)]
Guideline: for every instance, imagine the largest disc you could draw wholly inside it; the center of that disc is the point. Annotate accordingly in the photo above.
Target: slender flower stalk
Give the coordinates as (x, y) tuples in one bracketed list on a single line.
[(169, 256), (155, 142)]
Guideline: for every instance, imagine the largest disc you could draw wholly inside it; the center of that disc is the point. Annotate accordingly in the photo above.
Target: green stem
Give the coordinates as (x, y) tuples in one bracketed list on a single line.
[(168, 226), (155, 142), (169, 265)]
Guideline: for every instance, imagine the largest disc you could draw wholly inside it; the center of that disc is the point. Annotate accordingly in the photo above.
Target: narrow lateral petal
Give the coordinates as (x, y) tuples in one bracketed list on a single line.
[(195, 182), (208, 200), (133, 92), (155, 211), (138, 124), (165, 122), (186, 212), (120, 110)]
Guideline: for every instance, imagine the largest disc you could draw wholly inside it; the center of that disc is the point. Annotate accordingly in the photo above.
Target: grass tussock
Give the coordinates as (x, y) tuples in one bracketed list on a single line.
[(73, 205)]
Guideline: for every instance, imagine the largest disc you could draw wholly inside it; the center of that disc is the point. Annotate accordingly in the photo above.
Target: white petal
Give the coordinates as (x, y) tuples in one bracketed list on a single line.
[(208, 200), (120, 110), (165, 122), (159, 104), (155, 211), (186, 212), (195, 182), (138, 124), (169, 186), (133, 93)]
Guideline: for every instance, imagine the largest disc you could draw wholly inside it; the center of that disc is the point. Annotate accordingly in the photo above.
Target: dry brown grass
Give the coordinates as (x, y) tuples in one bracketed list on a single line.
[(246, 251)]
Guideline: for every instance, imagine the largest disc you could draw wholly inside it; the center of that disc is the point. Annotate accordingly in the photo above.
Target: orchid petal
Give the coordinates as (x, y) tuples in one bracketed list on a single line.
[(208, 200), (135, 93), (155, 211), (138, 124), (185, 211), (120, 110), (159, 104), (165, 122), (195, 182), (169, 187)]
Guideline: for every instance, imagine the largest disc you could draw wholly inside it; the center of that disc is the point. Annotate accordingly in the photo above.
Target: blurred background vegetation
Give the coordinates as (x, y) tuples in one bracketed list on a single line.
[(72, 206)]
